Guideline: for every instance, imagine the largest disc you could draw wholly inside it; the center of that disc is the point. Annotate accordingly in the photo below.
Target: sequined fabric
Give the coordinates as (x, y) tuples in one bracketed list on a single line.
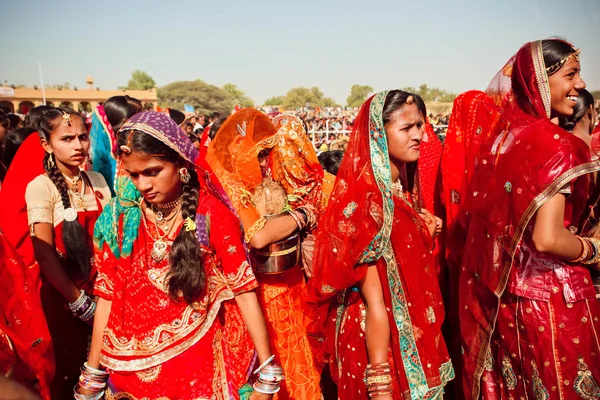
[(202, 350)]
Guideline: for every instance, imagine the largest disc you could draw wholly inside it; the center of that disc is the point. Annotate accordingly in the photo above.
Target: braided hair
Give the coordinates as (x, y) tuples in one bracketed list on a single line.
[(75, 238), (186, 277)]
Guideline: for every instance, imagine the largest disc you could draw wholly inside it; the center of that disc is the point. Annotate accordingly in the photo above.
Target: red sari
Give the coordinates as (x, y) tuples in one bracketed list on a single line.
[(529, 321), (474, 115), (365, 225), (166, 349)]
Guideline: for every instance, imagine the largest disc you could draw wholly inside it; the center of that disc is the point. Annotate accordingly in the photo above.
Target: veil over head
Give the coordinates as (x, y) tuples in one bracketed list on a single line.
[(294, 163), (525, 162), (233, 156)]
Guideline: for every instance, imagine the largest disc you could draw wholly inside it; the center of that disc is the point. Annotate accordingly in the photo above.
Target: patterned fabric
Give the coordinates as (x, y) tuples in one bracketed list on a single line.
[(294, 163), (233, 156), (26, 351), (366, 225), (279, 297), (201, 349), (524, 163), (539, 341), (104, 146)]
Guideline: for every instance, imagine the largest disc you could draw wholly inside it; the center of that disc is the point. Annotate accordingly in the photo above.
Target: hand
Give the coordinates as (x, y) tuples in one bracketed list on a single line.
[(430, 221), (260, 396)]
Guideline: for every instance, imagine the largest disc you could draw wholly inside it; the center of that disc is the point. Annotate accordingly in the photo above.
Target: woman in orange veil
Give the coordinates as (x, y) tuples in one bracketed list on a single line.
[(246, 148)]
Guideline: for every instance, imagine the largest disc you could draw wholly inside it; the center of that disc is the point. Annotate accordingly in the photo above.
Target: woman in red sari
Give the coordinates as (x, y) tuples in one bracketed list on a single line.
[(528, 314), (374, 275), (177, 316)]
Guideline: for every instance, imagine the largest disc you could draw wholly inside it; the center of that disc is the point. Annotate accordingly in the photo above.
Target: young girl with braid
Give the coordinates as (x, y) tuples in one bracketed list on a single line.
[(63, 204), (177, 317)]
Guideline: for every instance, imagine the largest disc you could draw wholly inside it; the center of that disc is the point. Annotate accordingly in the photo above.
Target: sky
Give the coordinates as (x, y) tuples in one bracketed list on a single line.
[(266, 47)]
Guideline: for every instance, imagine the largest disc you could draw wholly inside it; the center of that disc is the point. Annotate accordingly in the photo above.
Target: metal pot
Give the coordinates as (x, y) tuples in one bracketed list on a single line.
[(277, 257)]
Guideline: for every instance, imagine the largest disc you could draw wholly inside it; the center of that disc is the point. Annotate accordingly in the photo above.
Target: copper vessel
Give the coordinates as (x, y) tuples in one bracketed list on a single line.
[(277, 257)]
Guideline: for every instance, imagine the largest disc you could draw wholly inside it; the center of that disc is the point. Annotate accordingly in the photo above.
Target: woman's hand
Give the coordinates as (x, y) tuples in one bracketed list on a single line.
[(434, 224), (260, 396)]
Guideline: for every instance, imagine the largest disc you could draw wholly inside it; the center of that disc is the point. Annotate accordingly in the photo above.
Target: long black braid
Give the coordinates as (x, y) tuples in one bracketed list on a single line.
[(186, 276), (75, 238)]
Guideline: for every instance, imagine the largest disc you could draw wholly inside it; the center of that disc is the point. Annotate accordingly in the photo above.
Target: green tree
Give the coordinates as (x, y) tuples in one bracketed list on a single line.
[(429, 95), (299, 97), (358, 95), (274, 101), (239, 97), (204, 97), (140, 80)]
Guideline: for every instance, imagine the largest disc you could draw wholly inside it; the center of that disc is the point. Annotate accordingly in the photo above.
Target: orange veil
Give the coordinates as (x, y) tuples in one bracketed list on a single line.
[(233, 156)]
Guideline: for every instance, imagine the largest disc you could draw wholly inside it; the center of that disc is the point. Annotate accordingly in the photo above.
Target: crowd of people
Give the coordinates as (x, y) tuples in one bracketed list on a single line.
[(154, 255)]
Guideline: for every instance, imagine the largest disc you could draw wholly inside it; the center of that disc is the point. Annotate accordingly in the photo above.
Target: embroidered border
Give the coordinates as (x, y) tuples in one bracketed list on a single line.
[(537, 56)]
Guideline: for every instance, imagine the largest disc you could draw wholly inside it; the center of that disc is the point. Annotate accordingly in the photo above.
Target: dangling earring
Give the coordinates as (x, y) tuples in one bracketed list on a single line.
[(184, 175), (51, 161)]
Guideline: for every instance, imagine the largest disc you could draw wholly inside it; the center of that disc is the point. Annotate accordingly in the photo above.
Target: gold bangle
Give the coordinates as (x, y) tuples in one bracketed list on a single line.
[(584, 250)]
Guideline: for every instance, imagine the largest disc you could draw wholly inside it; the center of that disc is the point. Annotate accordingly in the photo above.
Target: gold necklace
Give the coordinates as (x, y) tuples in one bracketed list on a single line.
[(159, 248), (78, 198), (165, 209), (73, 180)]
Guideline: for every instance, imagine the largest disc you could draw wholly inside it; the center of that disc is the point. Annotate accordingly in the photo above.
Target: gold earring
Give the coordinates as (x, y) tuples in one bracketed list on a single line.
[(51, 161)]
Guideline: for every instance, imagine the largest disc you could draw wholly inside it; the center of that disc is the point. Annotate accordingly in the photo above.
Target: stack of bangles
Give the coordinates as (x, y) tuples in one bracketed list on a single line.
[(590, 253), (378, 379), (304, 217), (269, 377), (91, 380), (84, 307)]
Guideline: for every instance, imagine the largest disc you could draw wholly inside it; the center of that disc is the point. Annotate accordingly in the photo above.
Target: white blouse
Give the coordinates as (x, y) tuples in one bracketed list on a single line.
[(44, 204)]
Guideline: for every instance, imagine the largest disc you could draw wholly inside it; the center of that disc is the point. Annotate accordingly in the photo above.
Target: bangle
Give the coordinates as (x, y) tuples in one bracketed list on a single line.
[(297, 219), (77, 303), (264, 364), (594, 258), (585, 249)]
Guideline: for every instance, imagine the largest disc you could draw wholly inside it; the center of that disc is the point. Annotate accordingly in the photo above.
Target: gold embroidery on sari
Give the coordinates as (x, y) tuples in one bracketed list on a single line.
[(585, 385), (508, 374), (150, 374), (539, 391), (489, 361), (257, 226)]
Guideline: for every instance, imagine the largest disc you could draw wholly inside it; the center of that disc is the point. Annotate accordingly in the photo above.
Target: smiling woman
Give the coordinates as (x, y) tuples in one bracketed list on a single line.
[(528, 314)]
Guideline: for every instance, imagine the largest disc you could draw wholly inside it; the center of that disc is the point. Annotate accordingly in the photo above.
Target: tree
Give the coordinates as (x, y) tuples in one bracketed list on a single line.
[(429, 95), (204, 97), (239, 97), (140, 80), (358, 95), (299, 97), (596, 94), (274, 101)]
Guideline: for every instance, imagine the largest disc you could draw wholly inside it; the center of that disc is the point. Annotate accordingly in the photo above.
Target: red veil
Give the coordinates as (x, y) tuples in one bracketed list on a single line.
[(20, 302), (525, 162), (364, 225)]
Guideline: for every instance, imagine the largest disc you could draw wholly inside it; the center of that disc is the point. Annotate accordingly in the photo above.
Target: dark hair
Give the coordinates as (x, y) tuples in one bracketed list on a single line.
[(186, 275), (4, 120), (119, 109), (214, 128), (12, 142), (177, 116), (396, 99), (75, 238), (555, 50), (13, 121), (32, 118), (215, 115), (584, 101), (331, 160)]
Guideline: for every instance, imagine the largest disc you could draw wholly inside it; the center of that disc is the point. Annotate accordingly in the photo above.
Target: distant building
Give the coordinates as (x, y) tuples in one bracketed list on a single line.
[(21, 100)]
